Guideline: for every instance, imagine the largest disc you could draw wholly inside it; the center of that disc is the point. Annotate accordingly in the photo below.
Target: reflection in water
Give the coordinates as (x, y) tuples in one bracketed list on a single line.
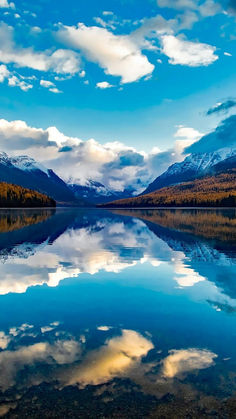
[(186, 360), (133, 313), (14, 219), (113, 359)]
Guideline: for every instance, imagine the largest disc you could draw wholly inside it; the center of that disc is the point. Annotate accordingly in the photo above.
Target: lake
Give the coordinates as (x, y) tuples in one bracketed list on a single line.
[(117, 314)]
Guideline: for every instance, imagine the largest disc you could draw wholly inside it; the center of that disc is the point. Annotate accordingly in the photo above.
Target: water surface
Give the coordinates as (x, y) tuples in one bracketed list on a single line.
[(122, 314)]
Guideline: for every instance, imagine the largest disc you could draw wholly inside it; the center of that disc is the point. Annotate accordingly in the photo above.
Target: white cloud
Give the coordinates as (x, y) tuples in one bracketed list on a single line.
[(50, 86), (55, 90), (187, 136), (184, 275), (15, 81), (107, 13), (183, 52), (4, 73), (119, 55), (114, 164), (60, 61), (210, 8), (103, 85), (186, 360), (6, 5), (46, 83), (103, 328)]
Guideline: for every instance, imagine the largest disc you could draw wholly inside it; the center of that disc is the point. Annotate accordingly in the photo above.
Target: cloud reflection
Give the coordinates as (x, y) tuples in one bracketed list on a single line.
[(113, 359), (186, 360)]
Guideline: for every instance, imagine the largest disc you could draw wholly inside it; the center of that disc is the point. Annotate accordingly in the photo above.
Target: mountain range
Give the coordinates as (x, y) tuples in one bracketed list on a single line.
[(194, 166), (97, 193), (207, 179), (28, 173)]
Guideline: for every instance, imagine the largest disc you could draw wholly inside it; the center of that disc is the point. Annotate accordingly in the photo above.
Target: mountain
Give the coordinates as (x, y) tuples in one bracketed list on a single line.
[(96, 192), (26, 172), (194, 166), (14, 196), (209, 191)]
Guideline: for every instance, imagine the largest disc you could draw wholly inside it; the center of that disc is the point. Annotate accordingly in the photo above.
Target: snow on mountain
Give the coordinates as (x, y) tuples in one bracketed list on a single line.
[(96, 192), (201, 162), (23, 163), (190, 168), (26, 172), (28, 164)]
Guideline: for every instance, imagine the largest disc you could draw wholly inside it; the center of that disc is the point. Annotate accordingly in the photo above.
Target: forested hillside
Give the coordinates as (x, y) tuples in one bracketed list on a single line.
[(211, 191), (13, 196)]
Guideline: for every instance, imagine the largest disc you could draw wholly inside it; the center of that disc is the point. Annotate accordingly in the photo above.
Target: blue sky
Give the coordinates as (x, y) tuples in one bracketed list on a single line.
[(134, 72)]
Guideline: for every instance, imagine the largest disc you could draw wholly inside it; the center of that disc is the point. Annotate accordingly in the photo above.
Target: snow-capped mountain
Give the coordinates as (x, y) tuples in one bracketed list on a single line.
[(27, 163), (26, 172), (96, 192), (194, 166)]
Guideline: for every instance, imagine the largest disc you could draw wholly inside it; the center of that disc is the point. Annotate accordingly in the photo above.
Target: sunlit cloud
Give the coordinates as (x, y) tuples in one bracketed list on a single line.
[(114, 358), (184, 361)]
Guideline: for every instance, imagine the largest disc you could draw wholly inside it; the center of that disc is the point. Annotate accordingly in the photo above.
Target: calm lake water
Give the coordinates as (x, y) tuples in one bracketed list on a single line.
[(117, 314)]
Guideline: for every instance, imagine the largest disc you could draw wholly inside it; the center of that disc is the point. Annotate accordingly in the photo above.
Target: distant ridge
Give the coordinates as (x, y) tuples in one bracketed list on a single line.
[(218, 190)]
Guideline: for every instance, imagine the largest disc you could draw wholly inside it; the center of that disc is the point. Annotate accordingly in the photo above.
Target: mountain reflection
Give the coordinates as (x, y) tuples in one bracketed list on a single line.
[(103, 310), (46, 247)]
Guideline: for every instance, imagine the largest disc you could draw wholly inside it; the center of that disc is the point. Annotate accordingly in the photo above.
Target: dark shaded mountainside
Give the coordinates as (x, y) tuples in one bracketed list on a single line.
[(25, 172), (13, 196), (216, 190)]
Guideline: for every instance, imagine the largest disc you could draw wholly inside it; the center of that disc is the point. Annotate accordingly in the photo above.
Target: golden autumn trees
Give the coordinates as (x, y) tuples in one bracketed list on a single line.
[(211, 191), (13, 196)]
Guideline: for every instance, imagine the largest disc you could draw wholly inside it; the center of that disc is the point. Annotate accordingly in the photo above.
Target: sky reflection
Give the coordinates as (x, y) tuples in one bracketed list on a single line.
[(116, 305)]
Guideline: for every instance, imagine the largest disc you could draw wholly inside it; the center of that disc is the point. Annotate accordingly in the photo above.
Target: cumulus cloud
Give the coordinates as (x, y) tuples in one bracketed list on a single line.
[(15, 81), (184, 361), (223, 136), (222, 107), (103, 85), (183, 52), (61, 61), (115, 358), (16, 136), (119, 55), (114, 164)]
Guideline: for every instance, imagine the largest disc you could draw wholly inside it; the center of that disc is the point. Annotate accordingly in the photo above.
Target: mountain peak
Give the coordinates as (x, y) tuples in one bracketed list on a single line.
[(193, 166)]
